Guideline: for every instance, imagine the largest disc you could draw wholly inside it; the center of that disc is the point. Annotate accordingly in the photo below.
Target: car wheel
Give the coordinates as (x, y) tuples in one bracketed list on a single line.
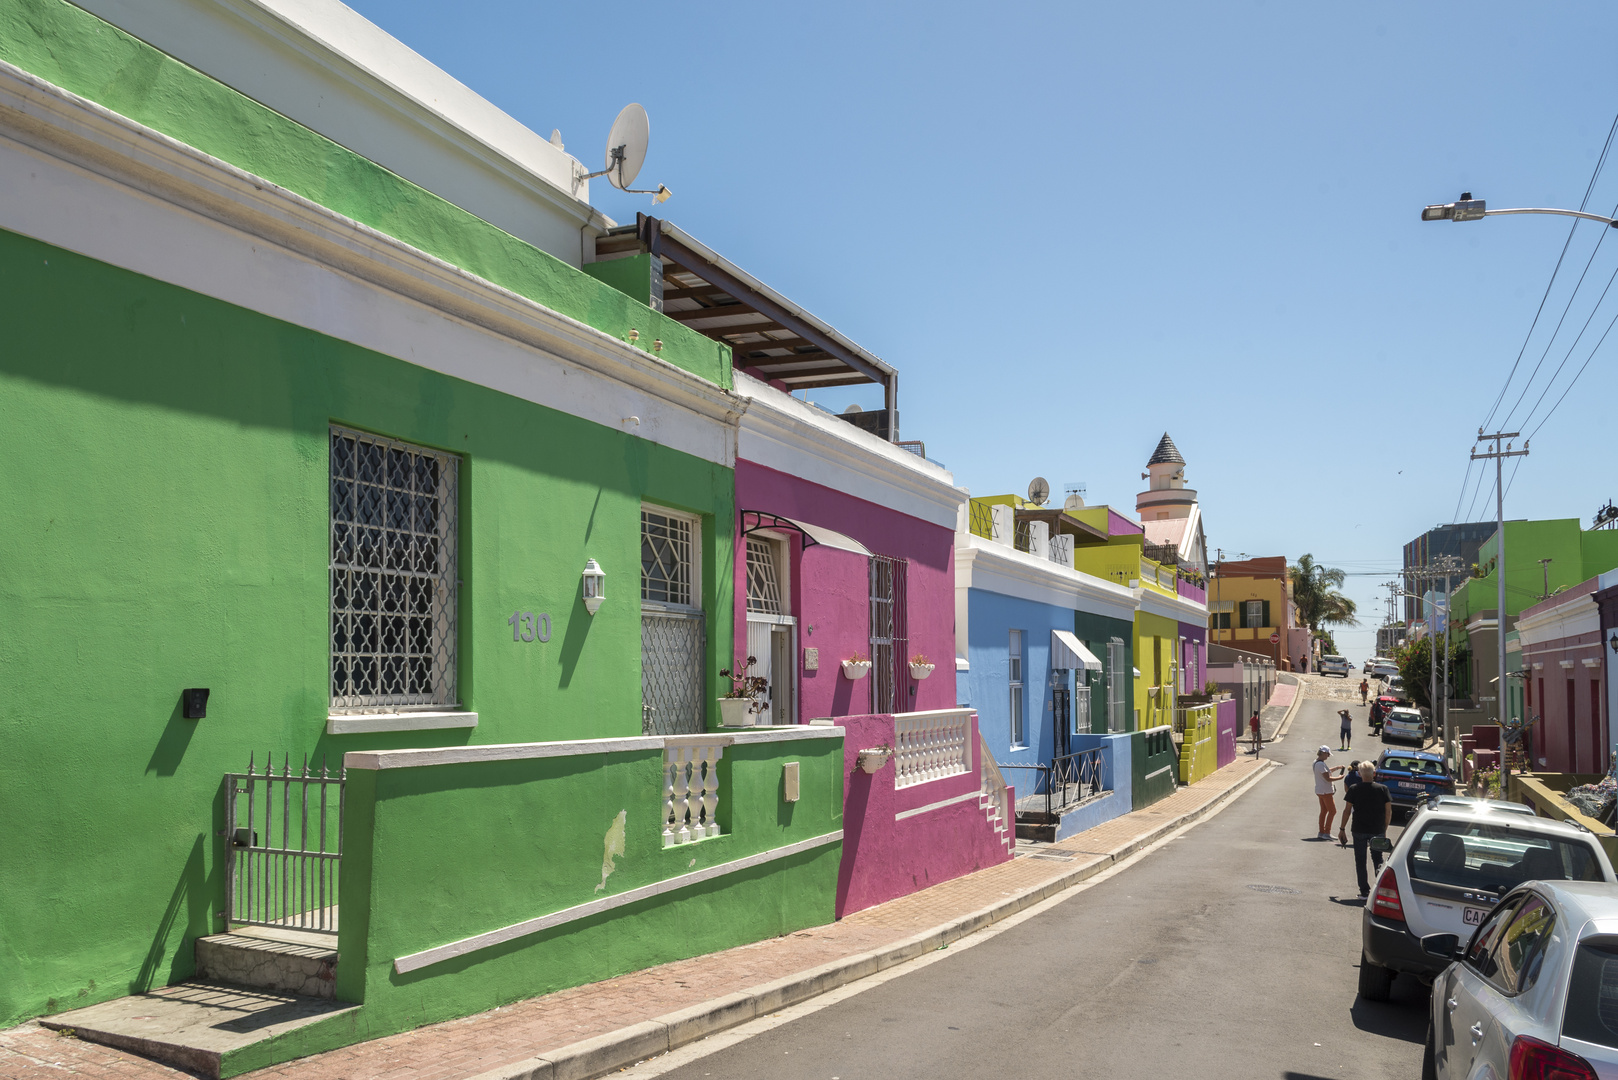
[(1376, 981), (1429, 1057)]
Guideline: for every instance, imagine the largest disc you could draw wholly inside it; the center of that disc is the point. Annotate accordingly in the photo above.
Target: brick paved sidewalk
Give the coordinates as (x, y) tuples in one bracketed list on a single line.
[(503, 1036)]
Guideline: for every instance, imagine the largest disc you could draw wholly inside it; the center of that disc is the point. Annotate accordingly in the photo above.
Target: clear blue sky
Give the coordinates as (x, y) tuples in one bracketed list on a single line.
[(1072, 227)]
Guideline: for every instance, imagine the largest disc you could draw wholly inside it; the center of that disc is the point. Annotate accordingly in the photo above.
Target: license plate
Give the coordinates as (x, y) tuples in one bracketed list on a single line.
[(1411, 785), (1473, 916)]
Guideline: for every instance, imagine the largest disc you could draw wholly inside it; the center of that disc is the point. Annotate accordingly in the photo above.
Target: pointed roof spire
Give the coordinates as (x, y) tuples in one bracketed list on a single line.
[(1166, 453)]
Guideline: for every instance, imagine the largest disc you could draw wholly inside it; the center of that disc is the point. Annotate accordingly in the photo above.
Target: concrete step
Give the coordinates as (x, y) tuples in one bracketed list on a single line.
[(271, 958), (194, 1025)]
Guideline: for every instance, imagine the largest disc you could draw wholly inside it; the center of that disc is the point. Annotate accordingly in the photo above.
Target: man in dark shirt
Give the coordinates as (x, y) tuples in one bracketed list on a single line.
[(1368, 813)]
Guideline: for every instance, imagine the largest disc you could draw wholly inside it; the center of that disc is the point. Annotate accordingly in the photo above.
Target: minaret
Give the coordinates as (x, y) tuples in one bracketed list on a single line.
[(1167, 497)]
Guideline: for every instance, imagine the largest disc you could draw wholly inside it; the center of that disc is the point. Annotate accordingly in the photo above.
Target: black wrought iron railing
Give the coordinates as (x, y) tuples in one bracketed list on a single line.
[(1068, 780)]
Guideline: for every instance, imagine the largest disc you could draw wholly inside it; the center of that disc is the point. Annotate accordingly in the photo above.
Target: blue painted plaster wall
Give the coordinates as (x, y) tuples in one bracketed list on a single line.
[(987, 686), (1116, 752)]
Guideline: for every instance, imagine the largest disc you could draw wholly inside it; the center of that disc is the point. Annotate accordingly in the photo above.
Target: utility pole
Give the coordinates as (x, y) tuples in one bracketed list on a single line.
[(1498, 455), (1446, 567), (1545, 569)]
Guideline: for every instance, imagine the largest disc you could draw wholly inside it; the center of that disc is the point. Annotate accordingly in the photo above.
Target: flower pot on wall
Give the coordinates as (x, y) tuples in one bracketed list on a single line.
[(856, 669), (736, 712), (920, 671), (871, 761)]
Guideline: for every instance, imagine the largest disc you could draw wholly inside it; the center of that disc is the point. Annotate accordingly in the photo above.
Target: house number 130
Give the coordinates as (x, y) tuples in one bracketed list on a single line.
[(526, 626)]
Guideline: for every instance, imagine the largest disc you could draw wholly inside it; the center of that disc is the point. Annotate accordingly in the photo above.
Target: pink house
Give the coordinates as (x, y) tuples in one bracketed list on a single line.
[(844, 552)]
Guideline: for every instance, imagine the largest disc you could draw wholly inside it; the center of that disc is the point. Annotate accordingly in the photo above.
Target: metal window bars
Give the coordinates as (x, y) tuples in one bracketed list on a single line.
[(665, 559), (890, 636), (393, 573), (763, 580), (292, 883)]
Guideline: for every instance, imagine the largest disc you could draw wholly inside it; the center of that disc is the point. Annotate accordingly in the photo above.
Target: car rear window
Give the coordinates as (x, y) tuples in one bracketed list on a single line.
[(1592, 994), (1481, 855), (1419, 766)]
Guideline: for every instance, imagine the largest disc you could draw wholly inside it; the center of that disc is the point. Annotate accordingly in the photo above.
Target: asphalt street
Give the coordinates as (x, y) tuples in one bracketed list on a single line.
[(1231, 951)]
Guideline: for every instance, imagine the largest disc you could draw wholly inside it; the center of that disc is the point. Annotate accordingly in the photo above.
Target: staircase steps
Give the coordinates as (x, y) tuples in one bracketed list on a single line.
[(271, 958)]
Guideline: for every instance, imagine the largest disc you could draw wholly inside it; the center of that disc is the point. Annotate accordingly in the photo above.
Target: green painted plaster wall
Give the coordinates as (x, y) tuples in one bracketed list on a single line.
[(73, 49), (438, 854), (166, 526), (631, 276), (1097, 631)]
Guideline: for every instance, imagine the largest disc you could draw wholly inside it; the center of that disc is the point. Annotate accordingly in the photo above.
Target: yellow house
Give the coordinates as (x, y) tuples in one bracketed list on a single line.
[(1250, 603)]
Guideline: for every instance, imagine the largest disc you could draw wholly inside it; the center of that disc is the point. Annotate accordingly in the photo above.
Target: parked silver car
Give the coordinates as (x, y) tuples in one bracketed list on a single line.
[(1535, 991), (1446, 872)]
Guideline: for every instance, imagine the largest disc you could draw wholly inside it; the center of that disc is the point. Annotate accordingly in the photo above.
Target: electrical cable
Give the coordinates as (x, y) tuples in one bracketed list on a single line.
[(1529, 384), (1575, 379), (1555, 374), (1600, 162)]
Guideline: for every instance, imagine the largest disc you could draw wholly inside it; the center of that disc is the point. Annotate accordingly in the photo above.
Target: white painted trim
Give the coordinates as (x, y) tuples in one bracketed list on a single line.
[(1578, 616), (901, 815), (465, 946), (355, 723), (461, 755), (997, 568), (780, 432), (1178, 608), (1159, 772), (81, 177), (326, 67)]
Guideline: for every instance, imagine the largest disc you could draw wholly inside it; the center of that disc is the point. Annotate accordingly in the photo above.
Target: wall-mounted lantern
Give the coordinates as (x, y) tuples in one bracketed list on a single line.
[(595, 586)]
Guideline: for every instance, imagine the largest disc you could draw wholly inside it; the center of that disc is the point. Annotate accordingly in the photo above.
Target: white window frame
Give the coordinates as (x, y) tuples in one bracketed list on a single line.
[(445, 583), (1016, 664), (1252, 615), (695, 568), (783, 686), (1117, 702), (781, 553)]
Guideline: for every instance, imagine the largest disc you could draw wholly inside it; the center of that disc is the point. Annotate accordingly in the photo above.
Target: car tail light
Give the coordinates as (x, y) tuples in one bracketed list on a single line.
[(1385, 901), (1532, 1059)]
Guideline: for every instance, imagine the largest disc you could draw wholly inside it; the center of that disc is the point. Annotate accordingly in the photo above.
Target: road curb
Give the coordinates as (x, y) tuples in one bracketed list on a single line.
[(1292, 710), (590, 1058)]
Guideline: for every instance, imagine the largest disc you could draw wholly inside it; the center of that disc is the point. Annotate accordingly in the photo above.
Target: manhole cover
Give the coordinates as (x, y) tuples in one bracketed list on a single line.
[(1273, 889)]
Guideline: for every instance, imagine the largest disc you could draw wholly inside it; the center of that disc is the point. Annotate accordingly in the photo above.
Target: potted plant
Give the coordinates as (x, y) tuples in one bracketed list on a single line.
[(745, 698), (919, 667), (872, 760), (858, 666)]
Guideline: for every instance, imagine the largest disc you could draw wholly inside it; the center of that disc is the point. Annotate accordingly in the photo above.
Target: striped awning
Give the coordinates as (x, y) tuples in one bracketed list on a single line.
[(1068, 653)]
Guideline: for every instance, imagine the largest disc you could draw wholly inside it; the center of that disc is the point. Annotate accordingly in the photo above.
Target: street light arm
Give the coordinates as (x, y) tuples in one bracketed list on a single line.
[(1609, 222)]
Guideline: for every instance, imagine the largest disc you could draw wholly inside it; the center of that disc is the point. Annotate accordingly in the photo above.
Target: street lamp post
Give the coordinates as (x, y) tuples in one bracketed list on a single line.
[(1469, 209)]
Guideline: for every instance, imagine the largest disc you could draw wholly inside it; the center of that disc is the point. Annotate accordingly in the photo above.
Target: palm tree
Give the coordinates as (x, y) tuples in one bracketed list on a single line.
[(1314, 591)]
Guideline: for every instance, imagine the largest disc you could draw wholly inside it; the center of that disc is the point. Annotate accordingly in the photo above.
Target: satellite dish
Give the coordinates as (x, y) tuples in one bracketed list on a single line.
[(852, 409), (626, 146), (1075, 501), (1038, 491)]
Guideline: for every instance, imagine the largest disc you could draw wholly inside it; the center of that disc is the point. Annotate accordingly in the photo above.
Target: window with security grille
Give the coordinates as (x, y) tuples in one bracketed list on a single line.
[(1116, 684), (1014, 677), (393, 573), (763, 577), (673, 635), (890, 637), (666, 568)]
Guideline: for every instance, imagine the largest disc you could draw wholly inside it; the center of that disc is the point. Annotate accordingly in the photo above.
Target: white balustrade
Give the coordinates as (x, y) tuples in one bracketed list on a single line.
[(691, 788), (931, 745)]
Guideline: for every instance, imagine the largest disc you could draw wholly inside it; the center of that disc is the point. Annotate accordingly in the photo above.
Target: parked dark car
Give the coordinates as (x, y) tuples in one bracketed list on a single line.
[(1412, 776)]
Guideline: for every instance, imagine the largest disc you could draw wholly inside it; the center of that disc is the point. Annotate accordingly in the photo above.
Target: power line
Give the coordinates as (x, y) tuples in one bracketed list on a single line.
[(1529, 384), (1576, 375), (1552, 380), (1600, 162)]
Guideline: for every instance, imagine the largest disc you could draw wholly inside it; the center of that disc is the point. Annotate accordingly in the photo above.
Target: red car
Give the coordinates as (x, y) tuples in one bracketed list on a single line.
[(1379, 709)]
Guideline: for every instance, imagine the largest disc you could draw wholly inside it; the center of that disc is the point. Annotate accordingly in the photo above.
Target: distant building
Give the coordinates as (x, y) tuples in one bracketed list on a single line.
[(1461, 541), (1249, 603)]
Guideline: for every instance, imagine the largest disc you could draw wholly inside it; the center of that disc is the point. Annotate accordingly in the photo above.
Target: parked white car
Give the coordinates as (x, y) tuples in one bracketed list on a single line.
[(1447, 871), (1404, 725), (1533, 992), (1334, 665), (1383, 669)]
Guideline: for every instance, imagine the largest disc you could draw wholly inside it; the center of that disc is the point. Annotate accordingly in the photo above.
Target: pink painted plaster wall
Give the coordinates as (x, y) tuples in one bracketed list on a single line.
[(831, 590), (884, 858), (1226, 726)]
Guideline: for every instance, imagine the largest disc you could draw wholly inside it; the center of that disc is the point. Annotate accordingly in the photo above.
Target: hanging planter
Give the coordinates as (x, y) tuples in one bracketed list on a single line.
[(856, 669), (872, 760), (919, 667)]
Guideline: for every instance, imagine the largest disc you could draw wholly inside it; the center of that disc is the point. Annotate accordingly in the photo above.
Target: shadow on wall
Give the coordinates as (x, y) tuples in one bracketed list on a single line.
[(171, 745), (194, 893)]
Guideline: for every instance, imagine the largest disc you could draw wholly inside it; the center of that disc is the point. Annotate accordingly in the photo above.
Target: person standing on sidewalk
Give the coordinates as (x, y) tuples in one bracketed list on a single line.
[(1326, 790), (1367, 813), (1258, 732), (1345, 730)]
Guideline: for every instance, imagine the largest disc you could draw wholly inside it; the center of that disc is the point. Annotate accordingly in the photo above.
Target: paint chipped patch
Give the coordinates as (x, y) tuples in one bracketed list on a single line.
[(614, 847)]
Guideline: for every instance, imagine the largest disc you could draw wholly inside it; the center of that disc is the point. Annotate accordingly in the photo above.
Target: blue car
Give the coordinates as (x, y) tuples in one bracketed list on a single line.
[(1412, 775)]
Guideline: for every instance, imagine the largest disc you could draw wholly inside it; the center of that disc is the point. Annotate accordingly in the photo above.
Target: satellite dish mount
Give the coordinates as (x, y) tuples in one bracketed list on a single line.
[(1039, 490), (626, 153)]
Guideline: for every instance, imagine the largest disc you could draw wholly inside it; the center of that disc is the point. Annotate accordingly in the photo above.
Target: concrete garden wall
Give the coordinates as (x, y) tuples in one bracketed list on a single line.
[(469, 884), (1118, 778), (897, 841), (1229, 726)]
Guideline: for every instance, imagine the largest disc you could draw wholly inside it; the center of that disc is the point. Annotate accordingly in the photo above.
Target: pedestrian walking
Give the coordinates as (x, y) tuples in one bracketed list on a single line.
[(1345, 730), (1258, 732), (1367, 813), (1350, 778), (1365, 691), (1326, 779)]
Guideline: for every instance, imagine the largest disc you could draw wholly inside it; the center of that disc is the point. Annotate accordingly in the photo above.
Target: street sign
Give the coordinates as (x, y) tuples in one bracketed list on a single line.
[(1275, 639)]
